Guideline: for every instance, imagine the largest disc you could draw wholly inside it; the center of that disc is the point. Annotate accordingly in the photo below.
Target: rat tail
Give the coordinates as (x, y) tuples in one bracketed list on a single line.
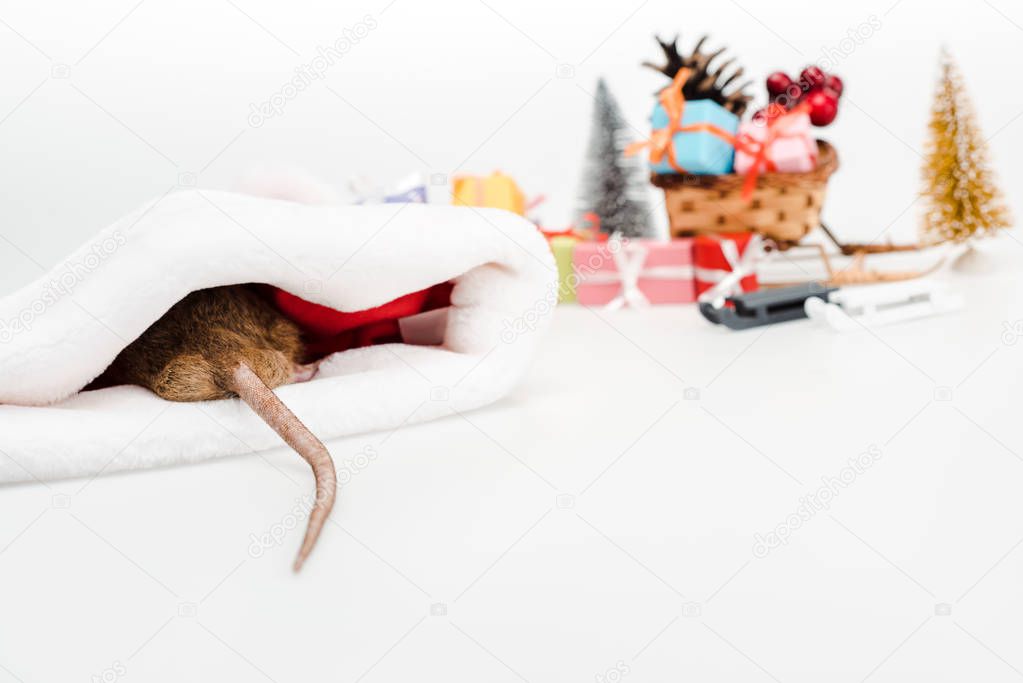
[(251, 389)]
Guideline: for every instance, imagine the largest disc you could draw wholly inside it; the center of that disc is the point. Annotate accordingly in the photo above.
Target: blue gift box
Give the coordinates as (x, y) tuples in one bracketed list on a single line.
[(699, 152)]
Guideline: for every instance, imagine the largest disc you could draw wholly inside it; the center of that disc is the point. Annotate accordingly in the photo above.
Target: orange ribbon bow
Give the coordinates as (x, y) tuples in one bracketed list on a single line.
[(674, 104)]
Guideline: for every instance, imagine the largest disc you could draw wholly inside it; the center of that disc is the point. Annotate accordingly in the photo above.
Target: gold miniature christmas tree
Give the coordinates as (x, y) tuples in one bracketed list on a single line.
[(962, 199)]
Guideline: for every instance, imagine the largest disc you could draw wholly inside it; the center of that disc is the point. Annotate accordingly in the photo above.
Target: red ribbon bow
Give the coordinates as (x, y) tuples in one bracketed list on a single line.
[(778, 126)]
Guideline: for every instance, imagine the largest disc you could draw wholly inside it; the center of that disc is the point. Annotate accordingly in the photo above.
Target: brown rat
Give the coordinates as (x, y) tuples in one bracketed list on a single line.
[(225, 342)]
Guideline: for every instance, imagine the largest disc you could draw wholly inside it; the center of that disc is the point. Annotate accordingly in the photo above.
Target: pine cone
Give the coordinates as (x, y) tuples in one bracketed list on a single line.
[(707, 82)]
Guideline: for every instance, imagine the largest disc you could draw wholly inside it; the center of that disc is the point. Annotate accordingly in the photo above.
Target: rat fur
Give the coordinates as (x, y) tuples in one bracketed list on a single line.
[(225, 342)]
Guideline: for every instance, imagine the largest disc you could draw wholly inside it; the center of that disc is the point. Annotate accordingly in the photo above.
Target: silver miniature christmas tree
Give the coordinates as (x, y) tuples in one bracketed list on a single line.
[(614, 186)]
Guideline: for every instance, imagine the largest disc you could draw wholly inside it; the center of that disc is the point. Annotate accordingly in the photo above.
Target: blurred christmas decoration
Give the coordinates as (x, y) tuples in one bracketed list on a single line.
[(784, 207), (613, 186), (818, 89), (962, 199), (843, 309), (496, 191), (688, 137), (409, 190), (727, 257), (636, 273), (769, 174), (783, 170), (562, 244), (779, 141), (707, 81)]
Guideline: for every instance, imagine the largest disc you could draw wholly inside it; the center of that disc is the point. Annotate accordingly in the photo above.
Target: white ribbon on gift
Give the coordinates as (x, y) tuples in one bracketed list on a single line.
[(728, 283), (629, 259)]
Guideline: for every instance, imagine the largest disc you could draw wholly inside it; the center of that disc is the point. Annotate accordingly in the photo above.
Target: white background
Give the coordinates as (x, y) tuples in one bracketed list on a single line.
[(912, 574), (159, 89)]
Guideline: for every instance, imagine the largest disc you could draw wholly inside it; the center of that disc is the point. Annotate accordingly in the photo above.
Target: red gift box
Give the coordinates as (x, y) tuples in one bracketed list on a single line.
[(716, 256)]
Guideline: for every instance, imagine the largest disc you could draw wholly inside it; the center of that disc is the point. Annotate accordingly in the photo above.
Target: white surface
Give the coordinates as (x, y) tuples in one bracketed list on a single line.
[(667, 496)]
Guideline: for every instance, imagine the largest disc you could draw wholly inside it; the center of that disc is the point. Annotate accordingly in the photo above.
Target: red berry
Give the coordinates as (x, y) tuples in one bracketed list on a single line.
[(823, 107), (795, 92), (777, 83), (812, 76), (835, 83)]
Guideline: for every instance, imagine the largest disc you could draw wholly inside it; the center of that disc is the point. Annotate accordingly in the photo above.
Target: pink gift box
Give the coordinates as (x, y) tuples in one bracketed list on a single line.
[(634, 272), (794, 150)]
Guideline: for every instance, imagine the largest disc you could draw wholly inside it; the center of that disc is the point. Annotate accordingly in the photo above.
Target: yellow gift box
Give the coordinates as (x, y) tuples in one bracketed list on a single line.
[(496, 190)]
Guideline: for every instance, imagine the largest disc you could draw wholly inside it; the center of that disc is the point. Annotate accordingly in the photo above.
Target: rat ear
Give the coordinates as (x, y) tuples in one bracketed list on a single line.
[(188, 377)]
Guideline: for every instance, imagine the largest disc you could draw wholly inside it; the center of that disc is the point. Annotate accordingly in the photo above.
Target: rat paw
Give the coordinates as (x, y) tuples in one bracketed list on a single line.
[(303, 373)]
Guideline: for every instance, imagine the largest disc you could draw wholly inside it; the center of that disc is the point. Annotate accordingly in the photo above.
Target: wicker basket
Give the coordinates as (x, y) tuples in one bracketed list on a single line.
[(784, 206)]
